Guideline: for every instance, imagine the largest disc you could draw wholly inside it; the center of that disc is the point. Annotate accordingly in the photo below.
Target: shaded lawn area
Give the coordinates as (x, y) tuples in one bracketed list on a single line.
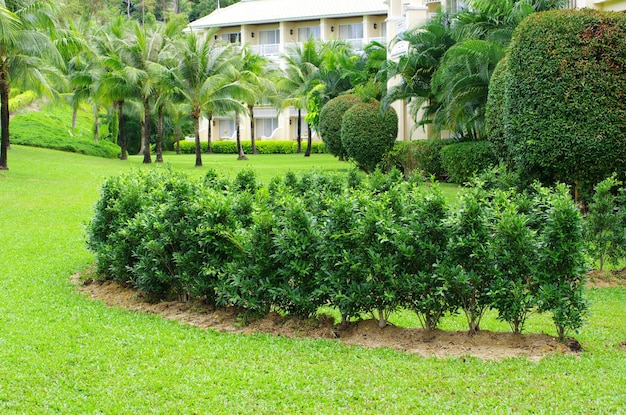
[(62, 353)]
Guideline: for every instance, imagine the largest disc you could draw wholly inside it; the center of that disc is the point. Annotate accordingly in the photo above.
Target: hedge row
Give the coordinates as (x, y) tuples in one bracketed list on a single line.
[(263, 147), (21, 101), (369, 246), (442, 158)]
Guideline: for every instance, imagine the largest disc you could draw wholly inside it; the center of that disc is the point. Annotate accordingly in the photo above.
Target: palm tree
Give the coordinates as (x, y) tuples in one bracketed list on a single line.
[(300, 77), (415, 70), (25, 53), (115, 84), (461, 86), (259, 76), (204, 78)]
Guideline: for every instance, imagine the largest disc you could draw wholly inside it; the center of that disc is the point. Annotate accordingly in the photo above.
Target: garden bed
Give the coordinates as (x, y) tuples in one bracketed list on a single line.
[(485, 344)]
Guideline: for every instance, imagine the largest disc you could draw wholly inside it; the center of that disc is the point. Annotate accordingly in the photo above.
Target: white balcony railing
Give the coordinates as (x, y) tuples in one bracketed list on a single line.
[(266, 50), (431, 1)]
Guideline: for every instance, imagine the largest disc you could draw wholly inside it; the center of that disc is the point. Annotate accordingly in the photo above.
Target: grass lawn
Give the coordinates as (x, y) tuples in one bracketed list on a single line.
[(63, 353)]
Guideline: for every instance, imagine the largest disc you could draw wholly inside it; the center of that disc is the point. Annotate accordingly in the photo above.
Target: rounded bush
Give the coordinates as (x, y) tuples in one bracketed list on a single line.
[(494, 113), (367, 135), (565, 97), (330, 122)]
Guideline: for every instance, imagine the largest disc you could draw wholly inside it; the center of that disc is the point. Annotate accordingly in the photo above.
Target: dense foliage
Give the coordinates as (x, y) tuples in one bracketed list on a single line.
[(367, 247), (48, 129), (331, 116), (263, 147), (565, 95), (461, 161), (367, 133)]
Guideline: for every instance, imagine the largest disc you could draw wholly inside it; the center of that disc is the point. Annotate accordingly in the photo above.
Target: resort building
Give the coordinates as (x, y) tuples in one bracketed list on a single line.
[(272, 27)]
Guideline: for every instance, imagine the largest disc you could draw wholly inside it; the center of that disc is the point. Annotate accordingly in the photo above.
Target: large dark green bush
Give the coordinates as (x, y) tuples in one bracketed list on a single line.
[(463, 160), (423, 156), (331, 117), (366, 135), (565, 97)]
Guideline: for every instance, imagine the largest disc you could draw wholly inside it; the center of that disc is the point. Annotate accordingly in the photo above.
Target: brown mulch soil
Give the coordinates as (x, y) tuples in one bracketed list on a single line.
[(606, 279), (366, 333)]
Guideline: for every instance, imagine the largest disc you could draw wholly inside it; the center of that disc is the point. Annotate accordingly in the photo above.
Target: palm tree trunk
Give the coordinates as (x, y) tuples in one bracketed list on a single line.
[(159, 144), (177, 133), (252, 139), (96, 123), (121, 132), (147, 159), (209, 149), (299, 137), (5, 90), (242, 155), (309, 144), (196, 130), (74, 116)]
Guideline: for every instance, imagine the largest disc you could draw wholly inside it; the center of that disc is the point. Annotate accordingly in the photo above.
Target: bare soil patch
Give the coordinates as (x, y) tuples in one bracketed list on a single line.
[(366, 333), (606, 279)]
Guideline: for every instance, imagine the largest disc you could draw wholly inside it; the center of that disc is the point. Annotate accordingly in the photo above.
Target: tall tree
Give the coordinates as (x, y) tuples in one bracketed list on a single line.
[(205, 78), (27, 56), (300, 77), (260, 76)]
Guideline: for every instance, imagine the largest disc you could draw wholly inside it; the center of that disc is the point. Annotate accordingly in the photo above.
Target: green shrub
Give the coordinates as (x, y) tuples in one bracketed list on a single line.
[(495, 113), (366, 135), (20, 101), (330, 120), (604, 230), (50, 128), (263, 147), (564, 97), (461, 161)]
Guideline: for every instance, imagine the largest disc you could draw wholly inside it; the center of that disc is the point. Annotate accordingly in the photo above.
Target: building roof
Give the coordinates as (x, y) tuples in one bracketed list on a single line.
[(272, 11)]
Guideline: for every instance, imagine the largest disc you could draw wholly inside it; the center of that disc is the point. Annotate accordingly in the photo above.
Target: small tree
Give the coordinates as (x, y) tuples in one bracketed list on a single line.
[(367, 135), (602, 225)]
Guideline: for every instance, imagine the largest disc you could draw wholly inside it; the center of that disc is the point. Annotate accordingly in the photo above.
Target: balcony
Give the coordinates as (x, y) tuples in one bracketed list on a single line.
[(431, 2), (272, 49)]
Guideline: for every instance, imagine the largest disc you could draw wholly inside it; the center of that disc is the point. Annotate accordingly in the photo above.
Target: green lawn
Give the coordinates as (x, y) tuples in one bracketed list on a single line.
[(63, 353)]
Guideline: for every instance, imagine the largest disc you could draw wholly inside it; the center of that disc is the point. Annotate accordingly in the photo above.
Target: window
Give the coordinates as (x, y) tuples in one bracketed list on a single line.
[(351, 31), (266, 126), (269, 37), (304, 33), (227, 128), (231, 37)]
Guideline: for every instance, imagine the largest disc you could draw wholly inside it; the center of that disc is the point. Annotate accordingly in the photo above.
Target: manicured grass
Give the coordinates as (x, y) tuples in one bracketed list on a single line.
[(63, 353)]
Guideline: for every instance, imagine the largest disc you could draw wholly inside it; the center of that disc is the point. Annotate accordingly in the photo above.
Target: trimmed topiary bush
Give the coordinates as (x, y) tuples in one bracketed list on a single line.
[(331, 116), (461, 161), (366, 135), (565, 97), (495, 112)]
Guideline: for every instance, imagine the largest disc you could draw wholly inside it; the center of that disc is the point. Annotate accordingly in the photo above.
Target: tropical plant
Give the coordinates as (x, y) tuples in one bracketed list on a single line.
[(205, 77), (29, 58)]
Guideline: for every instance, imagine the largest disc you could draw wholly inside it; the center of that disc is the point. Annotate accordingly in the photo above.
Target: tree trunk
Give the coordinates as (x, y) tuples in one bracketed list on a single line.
[(309, 144), (5, 90), (177, 133), (196, 130), (252, 138), (147, 159), (121, 133), (299, 135), (96, 123), (210, 148), (74, 116), (159, 144), (242, 155)]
